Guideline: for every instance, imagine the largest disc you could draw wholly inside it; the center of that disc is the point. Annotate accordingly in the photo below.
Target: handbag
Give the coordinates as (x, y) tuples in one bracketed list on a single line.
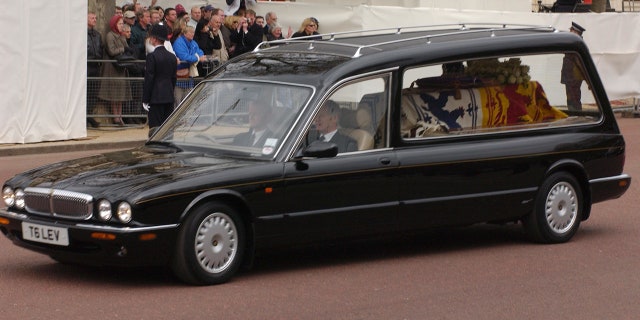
[(123, 61), (221, 54), (182, 73), (193, 70)]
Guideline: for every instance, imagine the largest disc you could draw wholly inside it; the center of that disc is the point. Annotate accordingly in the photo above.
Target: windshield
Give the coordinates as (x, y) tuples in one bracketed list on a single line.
[(244, 118)]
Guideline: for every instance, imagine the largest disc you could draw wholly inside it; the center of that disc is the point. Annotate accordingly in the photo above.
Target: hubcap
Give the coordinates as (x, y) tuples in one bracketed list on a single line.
[(216, 242), (561, 207)]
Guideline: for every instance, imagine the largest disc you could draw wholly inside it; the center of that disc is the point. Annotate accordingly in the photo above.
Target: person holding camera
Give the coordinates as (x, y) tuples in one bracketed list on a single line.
[(247, 35)]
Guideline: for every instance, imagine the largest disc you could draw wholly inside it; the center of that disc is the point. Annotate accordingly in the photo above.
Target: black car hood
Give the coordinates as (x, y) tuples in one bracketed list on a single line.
[(125, 172)]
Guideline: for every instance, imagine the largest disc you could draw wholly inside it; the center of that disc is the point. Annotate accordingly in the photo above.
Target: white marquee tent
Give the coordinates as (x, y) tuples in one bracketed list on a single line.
[(43, 58)]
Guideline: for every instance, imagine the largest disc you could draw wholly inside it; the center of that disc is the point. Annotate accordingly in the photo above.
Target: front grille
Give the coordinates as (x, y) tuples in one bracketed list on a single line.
[(58, 203)]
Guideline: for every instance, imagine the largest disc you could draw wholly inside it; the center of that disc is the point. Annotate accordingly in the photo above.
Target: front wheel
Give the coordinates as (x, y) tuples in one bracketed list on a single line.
[(557, 210), (210, 245)]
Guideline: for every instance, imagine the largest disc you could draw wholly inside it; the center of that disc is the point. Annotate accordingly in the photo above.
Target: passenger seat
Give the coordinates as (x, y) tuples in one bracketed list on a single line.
[(357, 125)]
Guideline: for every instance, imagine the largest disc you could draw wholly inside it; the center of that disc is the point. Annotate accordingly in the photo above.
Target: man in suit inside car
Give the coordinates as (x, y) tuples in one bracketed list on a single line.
[(259, 118), (326, 122)]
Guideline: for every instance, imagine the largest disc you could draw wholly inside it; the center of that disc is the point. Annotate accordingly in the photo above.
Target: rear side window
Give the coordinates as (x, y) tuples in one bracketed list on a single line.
[(504, 93)]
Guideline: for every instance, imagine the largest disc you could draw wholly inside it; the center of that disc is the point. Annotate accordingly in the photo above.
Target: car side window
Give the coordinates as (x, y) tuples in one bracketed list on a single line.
[(357, 113), (504, 93)]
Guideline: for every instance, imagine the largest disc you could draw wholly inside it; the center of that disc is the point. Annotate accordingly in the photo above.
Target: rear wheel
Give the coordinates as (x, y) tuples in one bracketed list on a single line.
[(210, 245), (557, 211)]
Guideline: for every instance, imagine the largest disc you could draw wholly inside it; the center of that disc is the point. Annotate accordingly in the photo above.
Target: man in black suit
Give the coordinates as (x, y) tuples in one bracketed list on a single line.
[(259, 118), (326, 122), (159, 79), (95, 51)]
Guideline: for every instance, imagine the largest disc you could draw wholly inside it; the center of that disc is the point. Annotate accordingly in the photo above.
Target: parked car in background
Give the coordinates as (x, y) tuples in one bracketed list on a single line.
[(436, 126)]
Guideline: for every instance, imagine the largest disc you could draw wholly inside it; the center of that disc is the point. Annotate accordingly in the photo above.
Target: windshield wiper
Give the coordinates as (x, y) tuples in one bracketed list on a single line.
[(164, 144), (234, 105)]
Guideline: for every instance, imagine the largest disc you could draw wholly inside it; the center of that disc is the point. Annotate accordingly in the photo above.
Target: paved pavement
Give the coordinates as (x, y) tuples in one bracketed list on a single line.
[(100, 138)]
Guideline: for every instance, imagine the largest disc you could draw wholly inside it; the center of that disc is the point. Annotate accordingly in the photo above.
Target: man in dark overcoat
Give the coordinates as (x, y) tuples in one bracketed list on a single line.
[(571, 75), (159, 79)]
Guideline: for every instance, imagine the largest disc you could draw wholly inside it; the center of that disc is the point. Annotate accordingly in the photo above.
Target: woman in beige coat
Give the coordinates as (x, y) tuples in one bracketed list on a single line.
[(118, 90)]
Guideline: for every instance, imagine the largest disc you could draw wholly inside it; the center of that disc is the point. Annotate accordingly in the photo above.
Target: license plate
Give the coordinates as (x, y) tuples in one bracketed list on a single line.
[(45, 234)]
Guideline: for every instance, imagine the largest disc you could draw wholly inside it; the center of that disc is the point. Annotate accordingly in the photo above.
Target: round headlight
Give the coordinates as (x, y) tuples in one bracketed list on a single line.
[(19, 196), (124, 212), (104, 210), (8, 196)]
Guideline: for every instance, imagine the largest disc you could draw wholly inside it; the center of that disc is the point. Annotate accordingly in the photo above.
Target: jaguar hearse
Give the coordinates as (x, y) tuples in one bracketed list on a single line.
[(357, 134)]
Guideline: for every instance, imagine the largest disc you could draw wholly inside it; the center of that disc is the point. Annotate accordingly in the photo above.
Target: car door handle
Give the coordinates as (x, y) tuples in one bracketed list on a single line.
[(385, 161)]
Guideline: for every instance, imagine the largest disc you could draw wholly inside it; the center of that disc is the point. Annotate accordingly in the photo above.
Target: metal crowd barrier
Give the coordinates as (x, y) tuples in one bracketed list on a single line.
[(100, 109)]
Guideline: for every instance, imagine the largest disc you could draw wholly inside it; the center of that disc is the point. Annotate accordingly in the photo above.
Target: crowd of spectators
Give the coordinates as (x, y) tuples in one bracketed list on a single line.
[(200, 39)]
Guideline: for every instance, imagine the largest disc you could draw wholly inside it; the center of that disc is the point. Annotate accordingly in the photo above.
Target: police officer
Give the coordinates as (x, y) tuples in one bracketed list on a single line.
[(571, 75), (159, 79)]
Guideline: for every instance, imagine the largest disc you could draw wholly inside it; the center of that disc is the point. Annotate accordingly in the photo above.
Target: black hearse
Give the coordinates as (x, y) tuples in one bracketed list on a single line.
[(357, 134)]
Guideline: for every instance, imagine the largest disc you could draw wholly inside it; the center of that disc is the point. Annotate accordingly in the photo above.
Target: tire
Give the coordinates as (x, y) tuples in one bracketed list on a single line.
[(557, 211), (210, 245)]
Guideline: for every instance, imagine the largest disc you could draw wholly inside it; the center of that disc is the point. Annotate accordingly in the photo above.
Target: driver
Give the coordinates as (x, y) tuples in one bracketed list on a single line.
[(259, 118)]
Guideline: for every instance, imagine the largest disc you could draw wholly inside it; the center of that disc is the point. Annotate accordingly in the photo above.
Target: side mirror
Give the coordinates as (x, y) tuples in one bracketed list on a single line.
[(318, 149)]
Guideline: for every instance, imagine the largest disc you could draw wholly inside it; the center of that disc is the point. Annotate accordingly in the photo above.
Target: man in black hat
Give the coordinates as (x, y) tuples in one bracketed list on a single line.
[(577, 29), (571, 75), (159, 79)]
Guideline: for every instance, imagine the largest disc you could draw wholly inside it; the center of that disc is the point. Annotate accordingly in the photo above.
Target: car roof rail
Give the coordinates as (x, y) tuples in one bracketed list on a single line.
[(462, 28)]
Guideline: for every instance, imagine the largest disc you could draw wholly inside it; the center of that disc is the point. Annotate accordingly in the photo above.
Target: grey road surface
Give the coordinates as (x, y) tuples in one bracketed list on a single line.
[(479, 272)]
